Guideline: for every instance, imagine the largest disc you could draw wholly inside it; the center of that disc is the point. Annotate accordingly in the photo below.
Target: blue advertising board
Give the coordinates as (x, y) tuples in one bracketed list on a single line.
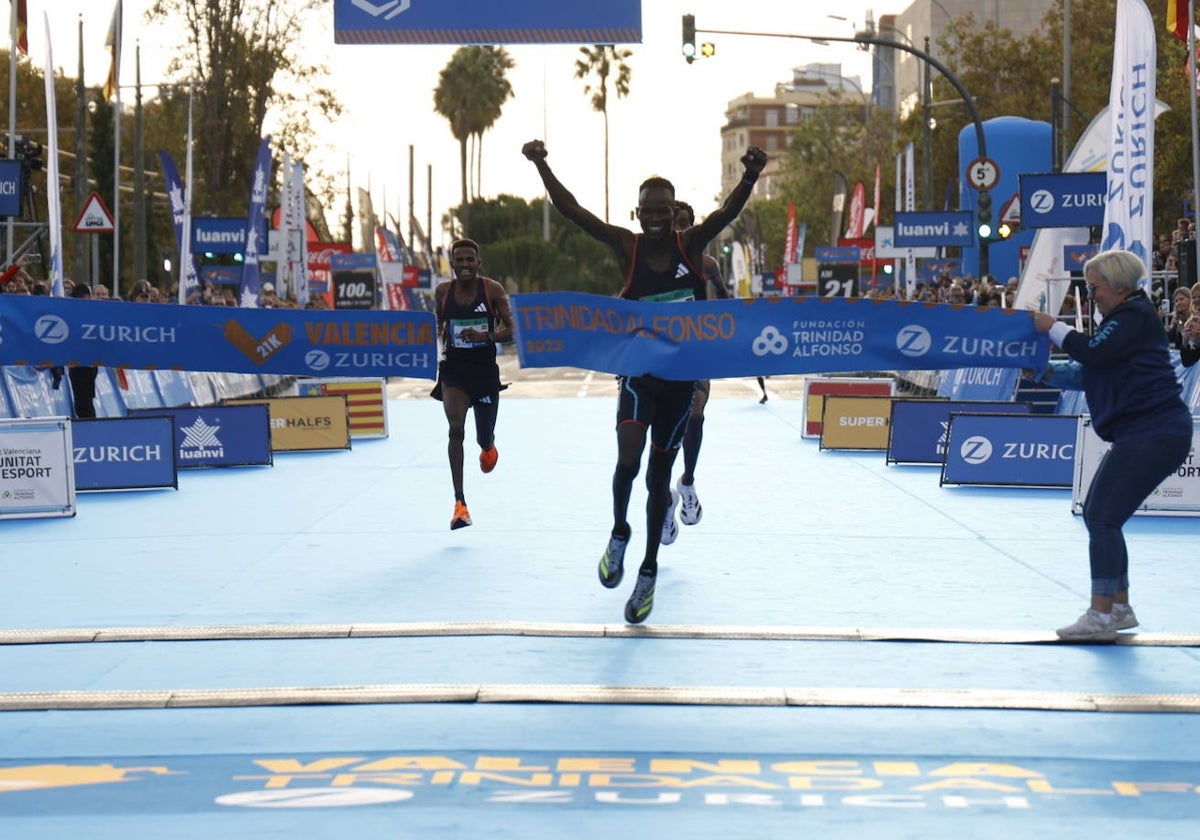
[(220, 436), (1036, 450), (1074, 256), (933, 228), (221, 234), (978, 383), (486, 22), (1063, 199), (919, 428), (10, 187), (837, 254), (124, 453)]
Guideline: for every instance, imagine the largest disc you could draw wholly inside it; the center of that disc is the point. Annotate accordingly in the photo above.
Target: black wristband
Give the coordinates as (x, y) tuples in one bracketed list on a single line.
[(750, 178)]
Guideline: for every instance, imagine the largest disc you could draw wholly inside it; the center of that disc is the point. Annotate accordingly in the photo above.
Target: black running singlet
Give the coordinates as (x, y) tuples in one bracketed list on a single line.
[(457, 317), (681, 281)]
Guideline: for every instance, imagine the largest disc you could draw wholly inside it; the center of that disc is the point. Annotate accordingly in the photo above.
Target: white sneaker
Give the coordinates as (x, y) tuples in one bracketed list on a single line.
[(1123, 617), (690, 510), (1092, 626), (670, 527)]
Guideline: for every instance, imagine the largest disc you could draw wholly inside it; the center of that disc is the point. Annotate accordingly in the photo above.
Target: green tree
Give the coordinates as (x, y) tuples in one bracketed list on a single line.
[(472, 88), (604, 62), (841, 135), (509, 232), (245, 57)]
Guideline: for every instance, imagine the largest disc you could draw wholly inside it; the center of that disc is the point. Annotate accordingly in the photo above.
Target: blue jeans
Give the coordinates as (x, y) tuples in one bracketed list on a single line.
[(1128, 473)]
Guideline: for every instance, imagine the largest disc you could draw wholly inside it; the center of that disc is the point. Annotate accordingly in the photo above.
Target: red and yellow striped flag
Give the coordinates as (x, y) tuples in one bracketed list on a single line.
[(22, 28), (1178, 19), (113, 44)]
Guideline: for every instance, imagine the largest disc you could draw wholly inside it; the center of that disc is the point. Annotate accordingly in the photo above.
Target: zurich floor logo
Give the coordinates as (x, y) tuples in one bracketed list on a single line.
[(975, 449), (317, 360), (50, 329), (770, 340), (913, 340)]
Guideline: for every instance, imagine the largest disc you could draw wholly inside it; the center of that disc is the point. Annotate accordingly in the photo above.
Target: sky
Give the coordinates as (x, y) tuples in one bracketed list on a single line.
[(669, 125)]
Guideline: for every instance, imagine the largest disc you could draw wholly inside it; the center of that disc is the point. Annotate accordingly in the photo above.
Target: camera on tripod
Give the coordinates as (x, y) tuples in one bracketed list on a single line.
[(29, 152)]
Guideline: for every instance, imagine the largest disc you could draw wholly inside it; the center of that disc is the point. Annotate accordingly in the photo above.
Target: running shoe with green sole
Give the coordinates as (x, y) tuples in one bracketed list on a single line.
[(638, 607), (612, 564)]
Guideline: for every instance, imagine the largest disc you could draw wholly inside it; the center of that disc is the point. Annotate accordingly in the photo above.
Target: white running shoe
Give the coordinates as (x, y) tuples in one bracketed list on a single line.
[(670, 527), (1092, 626), (689, 510), (1123, 617)]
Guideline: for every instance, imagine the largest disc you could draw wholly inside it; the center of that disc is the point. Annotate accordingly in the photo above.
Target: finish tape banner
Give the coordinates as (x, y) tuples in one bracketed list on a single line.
[(713, 339), (38, 330)]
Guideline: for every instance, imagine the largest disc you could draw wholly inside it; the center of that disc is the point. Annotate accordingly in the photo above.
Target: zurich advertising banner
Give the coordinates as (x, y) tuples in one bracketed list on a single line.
[(940, 228), (219, 436), (992, 383), (1037, 450), (765, 336), (1063, 199), (10, 187), (42, 331), (486, 22), (919, 428), (124, 453)]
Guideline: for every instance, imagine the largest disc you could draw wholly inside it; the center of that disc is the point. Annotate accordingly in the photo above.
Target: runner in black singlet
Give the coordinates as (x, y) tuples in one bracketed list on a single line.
[(473, 314), (685, 496), (657, 264)]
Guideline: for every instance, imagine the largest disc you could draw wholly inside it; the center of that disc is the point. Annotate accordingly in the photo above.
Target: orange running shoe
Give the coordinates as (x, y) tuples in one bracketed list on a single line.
[(488, 459), (462, 516)]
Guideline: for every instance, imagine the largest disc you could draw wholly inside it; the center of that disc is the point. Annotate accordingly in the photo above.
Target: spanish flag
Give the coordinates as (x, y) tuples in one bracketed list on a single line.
[(22, 28), (113, 43), (1178, 18)]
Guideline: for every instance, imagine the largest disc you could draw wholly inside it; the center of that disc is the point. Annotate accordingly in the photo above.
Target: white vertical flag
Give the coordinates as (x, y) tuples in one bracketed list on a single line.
[(53, 188), (295, 186), (1129, 211), (910, 204), (190, 286)]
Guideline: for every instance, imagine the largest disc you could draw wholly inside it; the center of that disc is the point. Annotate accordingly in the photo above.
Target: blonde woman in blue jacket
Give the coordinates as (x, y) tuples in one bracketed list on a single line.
[(1126, 373)]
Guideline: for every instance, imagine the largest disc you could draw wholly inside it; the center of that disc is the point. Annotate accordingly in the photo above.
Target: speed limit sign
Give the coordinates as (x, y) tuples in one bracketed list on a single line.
[(983, 173)]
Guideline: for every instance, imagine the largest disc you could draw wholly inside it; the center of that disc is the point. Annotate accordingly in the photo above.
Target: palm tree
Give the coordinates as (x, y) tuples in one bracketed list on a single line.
[(471, 91), (604, 61)]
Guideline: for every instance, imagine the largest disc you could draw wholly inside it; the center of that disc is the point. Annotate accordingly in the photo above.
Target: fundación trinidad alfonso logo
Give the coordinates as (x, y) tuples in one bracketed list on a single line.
[(770, 340)]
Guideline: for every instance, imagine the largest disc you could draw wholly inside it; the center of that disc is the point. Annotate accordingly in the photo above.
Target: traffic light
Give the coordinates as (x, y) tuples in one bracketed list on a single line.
[(983, 211), (689, 38), (1004, 230), (708, 49)]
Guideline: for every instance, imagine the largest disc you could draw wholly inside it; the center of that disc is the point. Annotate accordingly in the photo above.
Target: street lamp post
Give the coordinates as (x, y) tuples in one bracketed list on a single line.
[(863, 38)]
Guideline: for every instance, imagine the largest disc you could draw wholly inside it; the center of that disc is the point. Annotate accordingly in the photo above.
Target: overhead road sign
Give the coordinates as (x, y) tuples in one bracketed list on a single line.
[(486, 22)]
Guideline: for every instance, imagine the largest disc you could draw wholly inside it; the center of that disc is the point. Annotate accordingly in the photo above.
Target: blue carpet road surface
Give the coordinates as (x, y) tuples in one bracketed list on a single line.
[(840, 648)]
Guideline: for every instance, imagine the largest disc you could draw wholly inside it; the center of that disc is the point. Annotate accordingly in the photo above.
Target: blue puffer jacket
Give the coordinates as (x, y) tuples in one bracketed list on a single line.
[(1126, 372)]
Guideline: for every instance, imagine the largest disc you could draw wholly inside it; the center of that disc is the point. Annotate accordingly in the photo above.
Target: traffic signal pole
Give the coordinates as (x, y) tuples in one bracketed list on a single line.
[(870, 38)]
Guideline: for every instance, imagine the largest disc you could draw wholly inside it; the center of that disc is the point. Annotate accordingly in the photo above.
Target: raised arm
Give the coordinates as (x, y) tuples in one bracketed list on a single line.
[(562, 198), (695, 238)]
